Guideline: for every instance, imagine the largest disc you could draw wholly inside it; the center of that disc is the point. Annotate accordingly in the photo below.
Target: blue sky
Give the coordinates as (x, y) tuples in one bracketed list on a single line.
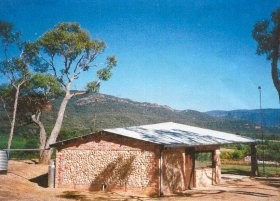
[(192, 54)]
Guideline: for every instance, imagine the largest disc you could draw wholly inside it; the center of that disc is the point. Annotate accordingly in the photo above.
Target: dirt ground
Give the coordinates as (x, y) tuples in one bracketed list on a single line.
[(28, 181)]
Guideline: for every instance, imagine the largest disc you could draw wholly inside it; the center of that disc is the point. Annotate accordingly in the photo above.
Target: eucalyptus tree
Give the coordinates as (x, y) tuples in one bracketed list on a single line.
[(267, 35), (67, 52), (14, 67), (35, 100)]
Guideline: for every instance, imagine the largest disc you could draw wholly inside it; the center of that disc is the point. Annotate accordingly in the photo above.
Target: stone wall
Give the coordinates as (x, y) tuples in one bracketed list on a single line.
[(180, 174), (204, 177), (118, 162), (173, 173)]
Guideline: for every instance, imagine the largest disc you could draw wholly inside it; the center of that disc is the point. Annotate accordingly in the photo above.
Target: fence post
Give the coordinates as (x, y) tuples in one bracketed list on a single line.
[(254, 160)]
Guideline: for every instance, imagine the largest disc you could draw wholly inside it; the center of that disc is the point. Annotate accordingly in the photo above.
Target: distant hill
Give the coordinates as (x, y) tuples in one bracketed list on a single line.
[(271, 117), (91, 112), (110, 112)]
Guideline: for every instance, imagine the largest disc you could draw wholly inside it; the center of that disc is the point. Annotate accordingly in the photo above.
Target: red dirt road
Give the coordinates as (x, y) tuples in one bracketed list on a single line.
[(27, 181)]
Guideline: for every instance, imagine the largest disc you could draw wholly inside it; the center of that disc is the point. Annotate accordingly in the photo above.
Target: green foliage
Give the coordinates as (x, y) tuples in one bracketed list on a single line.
[(31, 55), (30, 51), (7, 34), (33, 97), (104, 74), (226, 155), (267, 35), (47, 84), (93, 87), (3, 141), (237, 152), (264, 38), (245, 169), (203, 156), (5, 90), (66, 43), (20, 142), (78, 51), (203, 159), (239, 169), (111, 61), (237, 155), (14, 68), (66, 39), (68, 134), (113, 112), (270, 149)]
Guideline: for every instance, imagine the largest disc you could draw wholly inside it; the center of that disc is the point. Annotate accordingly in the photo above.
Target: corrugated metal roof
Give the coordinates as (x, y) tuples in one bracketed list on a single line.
[(174, 134)]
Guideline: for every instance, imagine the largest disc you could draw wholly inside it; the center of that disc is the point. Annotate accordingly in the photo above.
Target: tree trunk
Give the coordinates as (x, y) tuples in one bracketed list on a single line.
[(275, 74), (42, 133), (254, 161), (14, 117), (46, 156)]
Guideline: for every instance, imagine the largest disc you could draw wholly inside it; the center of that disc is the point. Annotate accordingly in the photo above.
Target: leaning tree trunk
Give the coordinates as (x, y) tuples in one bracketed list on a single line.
[(47, 152), (42, 133), (13, 118)]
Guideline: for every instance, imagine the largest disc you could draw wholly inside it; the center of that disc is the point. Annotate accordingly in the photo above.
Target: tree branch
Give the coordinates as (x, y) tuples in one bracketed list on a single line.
[(78, 93), (35, 118), (77, 64), (50, 63)]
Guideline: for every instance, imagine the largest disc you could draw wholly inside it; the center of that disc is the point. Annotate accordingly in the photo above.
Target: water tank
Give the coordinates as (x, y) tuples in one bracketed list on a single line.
[(3, 162)]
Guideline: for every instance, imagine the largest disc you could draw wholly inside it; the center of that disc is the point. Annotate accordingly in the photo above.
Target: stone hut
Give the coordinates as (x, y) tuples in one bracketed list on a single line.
[(158, 159)]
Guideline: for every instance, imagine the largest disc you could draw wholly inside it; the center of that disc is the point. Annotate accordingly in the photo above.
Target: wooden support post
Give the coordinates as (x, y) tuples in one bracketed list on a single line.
[(160, 192), (184, 170), (254, 161), (217, 167)]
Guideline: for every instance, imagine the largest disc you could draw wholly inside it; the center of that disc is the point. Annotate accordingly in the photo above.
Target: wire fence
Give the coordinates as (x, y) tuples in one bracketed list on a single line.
[(23, 154)]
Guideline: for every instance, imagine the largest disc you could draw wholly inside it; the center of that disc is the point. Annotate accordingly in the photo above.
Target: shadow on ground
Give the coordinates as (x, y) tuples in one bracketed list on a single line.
[(41, 180), (255, 194), (73, 195), (235, 171), (196, 193), (76, 195), (274, 182)]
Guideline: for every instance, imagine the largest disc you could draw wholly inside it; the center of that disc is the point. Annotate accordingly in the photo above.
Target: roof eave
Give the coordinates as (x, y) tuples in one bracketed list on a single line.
[(216, 144)]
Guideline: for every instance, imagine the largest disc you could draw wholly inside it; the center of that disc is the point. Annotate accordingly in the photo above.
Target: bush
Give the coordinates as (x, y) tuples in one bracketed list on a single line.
[(66, 134), (226, 155), (237, 154)]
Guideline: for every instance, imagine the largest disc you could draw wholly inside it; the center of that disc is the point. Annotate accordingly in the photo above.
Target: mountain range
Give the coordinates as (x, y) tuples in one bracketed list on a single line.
[(98, 111), (265, 117), (91, 112)]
